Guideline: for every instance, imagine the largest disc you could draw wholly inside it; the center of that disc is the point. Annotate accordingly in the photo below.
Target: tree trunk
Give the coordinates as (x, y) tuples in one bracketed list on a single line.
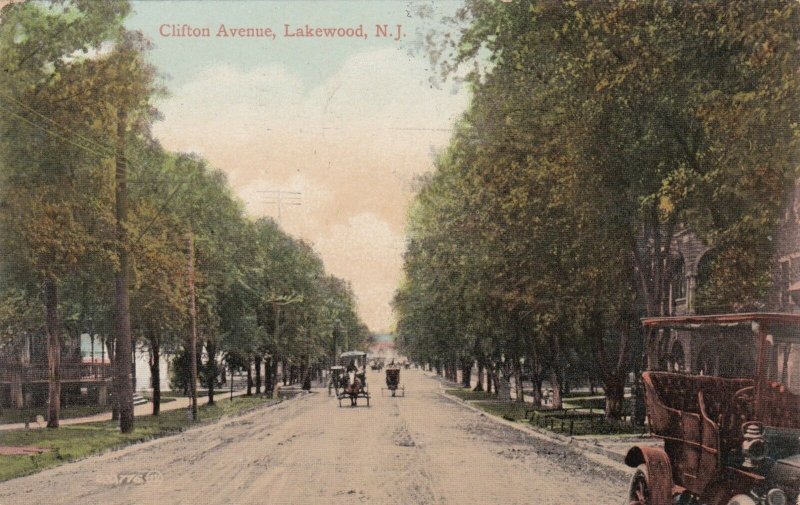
[(502, 382), (305, 374), (615, 398), (466, 373), (273, 376), (612, 376), (537, 390), (479, 385), (489, 380), (555, 383), (17, 396), (122, 316), (53, 326), (556, 371), (270, 375), (284, 374), (192, 327), (111, 342), (155, 372), (258, 374), (249, 377), (536, 377), (211, 370), (518, 382)]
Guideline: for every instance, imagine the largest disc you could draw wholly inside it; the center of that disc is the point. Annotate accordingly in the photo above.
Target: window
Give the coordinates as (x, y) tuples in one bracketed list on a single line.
[(678, 278)]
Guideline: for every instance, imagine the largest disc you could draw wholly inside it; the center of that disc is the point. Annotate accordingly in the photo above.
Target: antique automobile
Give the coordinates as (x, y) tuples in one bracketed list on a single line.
[(393, 381), (376, 365), (353, 382), (727, 440), (336, 372)]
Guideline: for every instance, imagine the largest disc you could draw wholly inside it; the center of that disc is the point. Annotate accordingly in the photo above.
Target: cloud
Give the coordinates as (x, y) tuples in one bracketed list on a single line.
[(351, 145), (365, 250)]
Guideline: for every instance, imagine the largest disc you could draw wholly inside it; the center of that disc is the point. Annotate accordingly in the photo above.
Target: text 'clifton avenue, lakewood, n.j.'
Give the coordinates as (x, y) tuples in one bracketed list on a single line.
[(289, 31)]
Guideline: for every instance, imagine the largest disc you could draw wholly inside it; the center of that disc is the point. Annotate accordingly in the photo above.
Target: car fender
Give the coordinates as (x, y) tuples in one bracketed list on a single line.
[(659, 471)]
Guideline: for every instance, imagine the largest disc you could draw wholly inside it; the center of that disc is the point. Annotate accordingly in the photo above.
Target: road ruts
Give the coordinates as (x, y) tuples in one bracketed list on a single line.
[(421, 449)]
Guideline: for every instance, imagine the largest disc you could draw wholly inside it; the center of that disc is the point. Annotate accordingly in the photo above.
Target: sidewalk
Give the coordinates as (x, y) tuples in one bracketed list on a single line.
[(139, 410)]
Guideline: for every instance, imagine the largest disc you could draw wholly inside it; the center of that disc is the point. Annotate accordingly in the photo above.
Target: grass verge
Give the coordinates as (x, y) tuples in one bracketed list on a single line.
[(468, 394), (564, 422), (70, 443), (13, 416)]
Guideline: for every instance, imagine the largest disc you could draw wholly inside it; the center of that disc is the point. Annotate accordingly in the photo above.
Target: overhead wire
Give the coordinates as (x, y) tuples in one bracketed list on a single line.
[(32, 110), (53, 133), (100, 154)]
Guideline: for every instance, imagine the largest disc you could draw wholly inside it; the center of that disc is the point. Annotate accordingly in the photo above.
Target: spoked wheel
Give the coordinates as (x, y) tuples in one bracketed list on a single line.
[(639, 492)]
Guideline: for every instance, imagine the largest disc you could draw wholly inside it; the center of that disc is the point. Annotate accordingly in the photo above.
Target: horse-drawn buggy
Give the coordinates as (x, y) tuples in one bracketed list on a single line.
[(728, 440), (393, 381), (353, 382), (336, 373)]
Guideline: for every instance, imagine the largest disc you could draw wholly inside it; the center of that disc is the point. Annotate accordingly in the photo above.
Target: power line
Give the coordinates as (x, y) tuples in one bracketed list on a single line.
[(21, 104), (158, 213), (55, 134), (101, 155)]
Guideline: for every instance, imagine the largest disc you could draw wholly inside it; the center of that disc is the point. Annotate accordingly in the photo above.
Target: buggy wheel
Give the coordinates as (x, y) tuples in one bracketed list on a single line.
[(639, 491)]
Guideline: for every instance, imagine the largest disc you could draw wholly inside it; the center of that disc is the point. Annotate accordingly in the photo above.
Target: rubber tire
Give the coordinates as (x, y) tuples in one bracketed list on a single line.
[(639, 481)]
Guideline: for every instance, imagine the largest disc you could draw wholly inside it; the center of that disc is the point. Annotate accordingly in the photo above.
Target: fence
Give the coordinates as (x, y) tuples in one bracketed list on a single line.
[(84, 372)]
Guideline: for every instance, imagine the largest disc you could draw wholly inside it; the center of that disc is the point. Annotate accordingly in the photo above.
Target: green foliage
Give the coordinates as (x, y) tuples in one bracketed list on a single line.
[(596, 130), (71, 75)]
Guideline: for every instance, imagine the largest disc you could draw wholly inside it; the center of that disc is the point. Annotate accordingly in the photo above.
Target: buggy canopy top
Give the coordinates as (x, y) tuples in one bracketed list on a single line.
[(784, 327), (768, 329), (353, 354)]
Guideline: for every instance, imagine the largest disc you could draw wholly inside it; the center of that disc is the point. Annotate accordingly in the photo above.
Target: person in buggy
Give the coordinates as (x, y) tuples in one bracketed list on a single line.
[(361, 375)]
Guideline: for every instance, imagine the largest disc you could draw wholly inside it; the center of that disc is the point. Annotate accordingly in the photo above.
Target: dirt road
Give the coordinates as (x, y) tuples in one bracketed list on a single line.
[(421, 449)]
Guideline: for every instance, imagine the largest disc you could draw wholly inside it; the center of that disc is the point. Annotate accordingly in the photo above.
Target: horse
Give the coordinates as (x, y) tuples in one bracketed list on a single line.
[(353, 387)]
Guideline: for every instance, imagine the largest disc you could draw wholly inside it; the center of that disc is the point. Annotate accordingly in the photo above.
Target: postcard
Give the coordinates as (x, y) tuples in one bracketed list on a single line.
[(399, 252)]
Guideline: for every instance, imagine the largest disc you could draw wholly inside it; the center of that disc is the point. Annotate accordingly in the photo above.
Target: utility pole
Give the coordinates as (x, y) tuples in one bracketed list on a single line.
[(280, 198), (122, 316), (192, 327)]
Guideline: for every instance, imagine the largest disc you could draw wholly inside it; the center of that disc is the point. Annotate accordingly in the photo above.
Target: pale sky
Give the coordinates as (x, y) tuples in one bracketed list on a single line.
[(348, 123)]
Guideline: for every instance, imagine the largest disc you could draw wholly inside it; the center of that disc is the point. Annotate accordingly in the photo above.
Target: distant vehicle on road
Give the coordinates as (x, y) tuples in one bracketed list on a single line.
[(393, 380), (353, 383), (334, 382)]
